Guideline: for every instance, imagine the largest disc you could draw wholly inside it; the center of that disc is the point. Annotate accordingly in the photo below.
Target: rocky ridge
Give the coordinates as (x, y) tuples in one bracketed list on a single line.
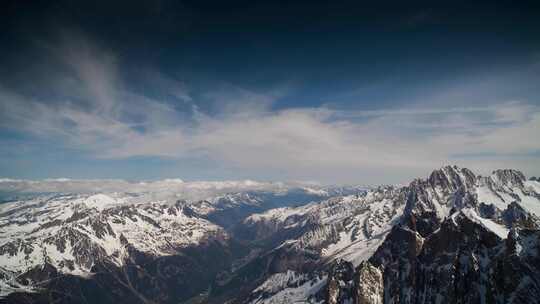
[(454, 237), (453, 228)]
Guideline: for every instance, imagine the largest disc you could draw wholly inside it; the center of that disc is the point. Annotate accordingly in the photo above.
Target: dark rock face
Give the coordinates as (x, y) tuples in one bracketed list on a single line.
[(462, 262), (510, 177), (397, 257), (516, 269), (368, 284), (340, 283), (450, 265), (431, 259), (515, 216)]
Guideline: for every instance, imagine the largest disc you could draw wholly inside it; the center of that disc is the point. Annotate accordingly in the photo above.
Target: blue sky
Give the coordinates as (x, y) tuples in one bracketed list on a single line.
[(340, 93)]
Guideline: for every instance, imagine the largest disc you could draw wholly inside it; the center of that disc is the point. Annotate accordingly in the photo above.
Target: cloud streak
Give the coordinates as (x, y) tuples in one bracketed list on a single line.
[(107, 119)]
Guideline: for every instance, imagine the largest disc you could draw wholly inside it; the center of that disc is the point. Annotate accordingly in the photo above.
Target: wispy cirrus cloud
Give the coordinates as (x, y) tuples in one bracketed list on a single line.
[(106, 117)]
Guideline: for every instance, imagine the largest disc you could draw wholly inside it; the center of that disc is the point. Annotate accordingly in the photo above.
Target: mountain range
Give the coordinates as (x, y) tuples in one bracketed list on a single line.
[(453, 237)]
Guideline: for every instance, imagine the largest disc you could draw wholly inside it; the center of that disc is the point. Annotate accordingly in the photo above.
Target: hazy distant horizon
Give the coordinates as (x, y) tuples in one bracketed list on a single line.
[(64, 184)]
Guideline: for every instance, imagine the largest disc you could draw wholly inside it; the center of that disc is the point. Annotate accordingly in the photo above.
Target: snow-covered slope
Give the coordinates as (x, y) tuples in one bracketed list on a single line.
[(74, 232), (352, 228), (289, 287), (349, 227), (151, 239)]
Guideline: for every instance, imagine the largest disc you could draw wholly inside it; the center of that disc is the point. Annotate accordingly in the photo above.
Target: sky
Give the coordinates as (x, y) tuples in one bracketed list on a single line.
[(335, 92)]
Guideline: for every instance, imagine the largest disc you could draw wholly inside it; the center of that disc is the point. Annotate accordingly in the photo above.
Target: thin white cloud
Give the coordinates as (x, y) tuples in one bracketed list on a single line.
[(168, 190), (245, 134)]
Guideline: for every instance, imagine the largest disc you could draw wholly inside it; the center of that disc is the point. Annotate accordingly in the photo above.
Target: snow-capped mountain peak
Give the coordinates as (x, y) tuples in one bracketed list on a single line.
[(275, 245)]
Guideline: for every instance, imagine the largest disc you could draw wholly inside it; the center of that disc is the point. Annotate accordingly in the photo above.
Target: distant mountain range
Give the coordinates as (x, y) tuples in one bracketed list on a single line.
[(454, 237)]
